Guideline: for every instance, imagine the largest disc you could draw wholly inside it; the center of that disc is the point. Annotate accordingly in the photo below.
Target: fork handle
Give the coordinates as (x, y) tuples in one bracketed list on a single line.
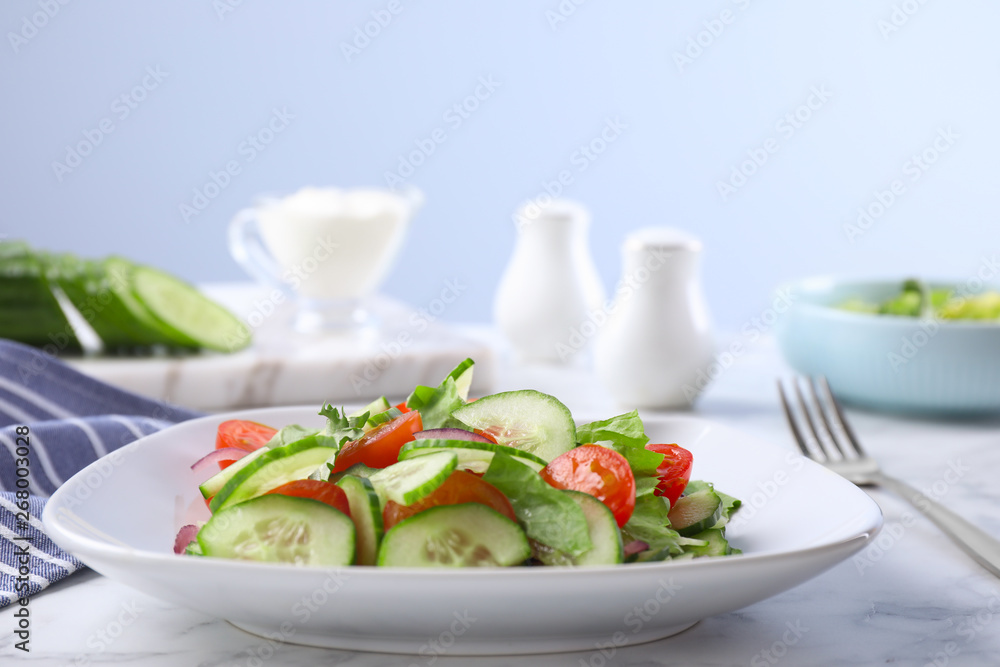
[(984, 548)]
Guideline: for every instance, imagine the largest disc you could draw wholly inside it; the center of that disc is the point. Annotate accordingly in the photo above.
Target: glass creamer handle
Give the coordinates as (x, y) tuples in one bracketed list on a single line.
[(247, 248)]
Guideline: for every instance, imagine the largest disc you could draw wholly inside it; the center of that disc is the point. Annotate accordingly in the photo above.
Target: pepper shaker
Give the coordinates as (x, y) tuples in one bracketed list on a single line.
[(658, 336)]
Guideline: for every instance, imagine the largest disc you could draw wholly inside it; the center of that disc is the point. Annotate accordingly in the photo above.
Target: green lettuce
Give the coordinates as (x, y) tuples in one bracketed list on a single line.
[(340, 428), (649, 523), (547, 515), (436, 404)]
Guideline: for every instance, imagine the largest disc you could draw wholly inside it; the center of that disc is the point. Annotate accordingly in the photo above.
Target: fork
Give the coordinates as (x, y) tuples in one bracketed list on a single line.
[(823, 434)]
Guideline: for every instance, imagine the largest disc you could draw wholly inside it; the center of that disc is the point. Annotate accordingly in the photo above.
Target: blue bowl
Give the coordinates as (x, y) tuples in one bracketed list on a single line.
[(887, 362)]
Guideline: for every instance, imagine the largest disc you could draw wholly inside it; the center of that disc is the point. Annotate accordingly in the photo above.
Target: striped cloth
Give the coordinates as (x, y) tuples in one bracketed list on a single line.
[(70, 421)]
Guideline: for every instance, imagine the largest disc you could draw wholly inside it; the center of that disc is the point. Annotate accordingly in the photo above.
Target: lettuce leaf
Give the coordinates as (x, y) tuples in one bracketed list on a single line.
[(547, 514), (626, 430), (436, 404), (340, 428), (649, 523)]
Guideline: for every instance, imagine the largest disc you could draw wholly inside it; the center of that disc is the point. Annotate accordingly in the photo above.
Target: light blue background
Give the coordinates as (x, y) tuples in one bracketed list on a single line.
[(687, 128)]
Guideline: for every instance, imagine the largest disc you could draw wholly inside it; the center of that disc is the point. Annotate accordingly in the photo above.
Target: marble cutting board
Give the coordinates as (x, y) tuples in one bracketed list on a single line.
[(284, 368)]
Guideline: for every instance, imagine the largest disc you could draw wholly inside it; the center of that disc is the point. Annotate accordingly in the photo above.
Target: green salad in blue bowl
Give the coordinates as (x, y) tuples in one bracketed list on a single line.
[(911, 346)]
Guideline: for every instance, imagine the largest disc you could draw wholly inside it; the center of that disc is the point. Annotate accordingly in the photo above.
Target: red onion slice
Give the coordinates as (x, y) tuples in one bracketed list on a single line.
[(185, 536), (634, 547), (450, 434), (217, 455)]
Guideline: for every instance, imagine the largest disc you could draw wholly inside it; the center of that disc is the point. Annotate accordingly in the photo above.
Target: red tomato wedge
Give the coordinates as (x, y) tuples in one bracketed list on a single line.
[(486, 434), (674, 472), (379, 448), (402, 407), (243, 434), (599, 471), (325, 492), (460, 487)]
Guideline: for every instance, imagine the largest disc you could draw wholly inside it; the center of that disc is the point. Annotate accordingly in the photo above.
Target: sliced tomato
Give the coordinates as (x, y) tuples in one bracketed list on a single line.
[(460, 487), (599, 471), (379, 448), (486, 434), (674, 472), (402, 407), (246, 435), (325, 492)]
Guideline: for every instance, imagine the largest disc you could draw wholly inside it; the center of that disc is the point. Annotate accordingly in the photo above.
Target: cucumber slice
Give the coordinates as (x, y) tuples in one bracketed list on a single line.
[(214, 484), (472, 455), (528, 420), (186, 313), (604, 534), (716, 543), (272, 469), (407, 482), (380, 418), (367, 515), (696, 512), (462, 375), (281, 529), (101, 292), (118, 271), (467, 535), (373, 408)]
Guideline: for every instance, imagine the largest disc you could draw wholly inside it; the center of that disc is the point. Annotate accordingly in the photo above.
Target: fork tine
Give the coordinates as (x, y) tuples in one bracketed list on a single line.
[(793, 423), (822, 410), (807, 413), (845, 427)]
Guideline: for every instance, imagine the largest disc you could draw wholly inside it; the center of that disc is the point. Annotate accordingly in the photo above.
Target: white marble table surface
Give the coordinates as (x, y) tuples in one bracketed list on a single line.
[(917, 600)]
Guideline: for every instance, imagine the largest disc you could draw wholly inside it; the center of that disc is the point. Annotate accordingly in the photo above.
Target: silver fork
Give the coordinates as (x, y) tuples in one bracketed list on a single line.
[(823, 434)]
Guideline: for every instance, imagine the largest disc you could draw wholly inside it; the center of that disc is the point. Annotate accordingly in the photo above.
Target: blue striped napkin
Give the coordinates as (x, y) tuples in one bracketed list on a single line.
[(62, 421)]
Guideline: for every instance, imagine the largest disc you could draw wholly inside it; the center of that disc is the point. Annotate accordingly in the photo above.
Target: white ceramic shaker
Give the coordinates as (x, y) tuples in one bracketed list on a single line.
[(658, 337), (550, 286)]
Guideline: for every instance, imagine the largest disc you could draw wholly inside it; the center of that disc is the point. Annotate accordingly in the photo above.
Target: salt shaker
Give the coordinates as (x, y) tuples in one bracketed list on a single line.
[(658, 339), (550, 286)]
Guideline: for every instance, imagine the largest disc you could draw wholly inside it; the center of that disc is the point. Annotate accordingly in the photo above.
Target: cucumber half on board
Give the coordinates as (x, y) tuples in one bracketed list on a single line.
[(186, 314), (56, 298), (29, 311)]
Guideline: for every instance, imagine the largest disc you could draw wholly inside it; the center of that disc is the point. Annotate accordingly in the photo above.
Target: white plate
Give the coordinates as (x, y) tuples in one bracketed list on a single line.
[(120, 515)]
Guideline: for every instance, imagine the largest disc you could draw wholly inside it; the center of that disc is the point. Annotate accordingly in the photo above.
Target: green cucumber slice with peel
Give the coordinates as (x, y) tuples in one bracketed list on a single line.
[(696, 512), (214, 484), (367, 515), (87, 288), (272, 469), (604, 535), (716, 543), (179, 308), (380, 404), (119, 272), (472, 455), (408, 481), (527, 420), (466, 535), (280, 529), (380, 418)]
